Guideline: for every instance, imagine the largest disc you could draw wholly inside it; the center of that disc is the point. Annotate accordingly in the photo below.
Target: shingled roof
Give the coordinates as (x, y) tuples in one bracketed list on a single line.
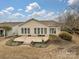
[(49, 23), (10, 23)]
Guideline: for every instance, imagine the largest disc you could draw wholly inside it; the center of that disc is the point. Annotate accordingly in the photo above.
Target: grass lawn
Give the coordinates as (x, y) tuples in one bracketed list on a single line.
[(53, 51)]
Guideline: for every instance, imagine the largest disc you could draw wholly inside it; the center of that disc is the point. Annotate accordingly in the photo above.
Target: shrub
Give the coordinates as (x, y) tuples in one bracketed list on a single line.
[(76, 30), (66, 36), (11, 42), (51, 37), (39, 44)]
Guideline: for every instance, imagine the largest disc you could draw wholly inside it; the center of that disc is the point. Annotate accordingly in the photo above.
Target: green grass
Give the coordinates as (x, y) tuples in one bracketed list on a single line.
[(52, 37), (11, 42)]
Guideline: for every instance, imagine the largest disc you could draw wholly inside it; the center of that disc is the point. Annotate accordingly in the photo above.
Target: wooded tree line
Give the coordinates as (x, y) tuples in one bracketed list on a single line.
[(71, 21)]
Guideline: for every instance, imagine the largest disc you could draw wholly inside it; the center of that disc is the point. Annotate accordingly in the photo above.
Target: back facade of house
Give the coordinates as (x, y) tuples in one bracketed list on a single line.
[(32, 27)]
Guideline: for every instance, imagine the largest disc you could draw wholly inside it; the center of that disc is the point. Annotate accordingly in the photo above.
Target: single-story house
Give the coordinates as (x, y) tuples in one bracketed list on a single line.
[(32, 27)]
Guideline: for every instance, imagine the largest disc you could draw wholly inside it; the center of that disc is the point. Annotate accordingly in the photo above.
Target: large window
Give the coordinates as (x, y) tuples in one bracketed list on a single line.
[(22, 30), (52, 30), (25, 30), (45, 30), (35, 31), (28, 30), (55, 30), (40, 30)]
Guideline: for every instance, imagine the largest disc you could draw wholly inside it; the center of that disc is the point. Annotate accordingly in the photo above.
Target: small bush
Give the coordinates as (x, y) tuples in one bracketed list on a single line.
[(51, 37), (39, 44), (76, 30), (11, 42), (66, 36)]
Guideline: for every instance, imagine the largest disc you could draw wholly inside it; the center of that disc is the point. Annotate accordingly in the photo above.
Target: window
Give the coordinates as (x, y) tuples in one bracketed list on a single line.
[(25, 30), (45, 30), (28, 30), (35, 30), (22, 30), (55, 30), (38, 30), (41, 30), (52, 30)]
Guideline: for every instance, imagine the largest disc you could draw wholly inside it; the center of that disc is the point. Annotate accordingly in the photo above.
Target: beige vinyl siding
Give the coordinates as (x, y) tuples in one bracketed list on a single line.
[(32, 25), (35, 28)]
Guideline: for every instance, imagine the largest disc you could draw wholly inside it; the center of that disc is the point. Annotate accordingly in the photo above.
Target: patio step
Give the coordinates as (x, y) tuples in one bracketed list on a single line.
[(27, 42)]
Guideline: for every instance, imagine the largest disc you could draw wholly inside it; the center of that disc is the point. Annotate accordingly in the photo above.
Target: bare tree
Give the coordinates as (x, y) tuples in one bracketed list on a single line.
[(72, 21)]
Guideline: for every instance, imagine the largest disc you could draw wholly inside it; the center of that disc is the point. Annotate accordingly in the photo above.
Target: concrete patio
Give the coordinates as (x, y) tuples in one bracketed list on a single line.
[(28, 40)]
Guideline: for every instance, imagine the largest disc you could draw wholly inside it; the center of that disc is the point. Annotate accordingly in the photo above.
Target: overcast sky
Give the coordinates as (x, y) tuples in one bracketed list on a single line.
[(21, 10)]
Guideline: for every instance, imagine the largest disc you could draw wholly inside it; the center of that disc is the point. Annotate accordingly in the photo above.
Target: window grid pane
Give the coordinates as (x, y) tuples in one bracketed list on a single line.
[(41, 30), (28, 30), (52, 30), (25, 30), (55, 30), (38, 30), (34, 30), (22, 30), (45, 30)]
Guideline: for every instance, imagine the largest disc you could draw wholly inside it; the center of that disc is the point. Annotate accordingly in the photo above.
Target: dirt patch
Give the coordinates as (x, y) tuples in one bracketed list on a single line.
[(74, 49), (76, 38), (53, 51)]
